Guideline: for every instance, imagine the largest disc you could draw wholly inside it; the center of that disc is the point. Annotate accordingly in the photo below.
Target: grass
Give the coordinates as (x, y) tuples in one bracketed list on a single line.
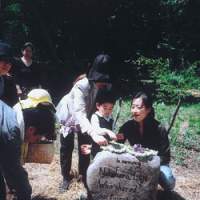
[(185, 133)]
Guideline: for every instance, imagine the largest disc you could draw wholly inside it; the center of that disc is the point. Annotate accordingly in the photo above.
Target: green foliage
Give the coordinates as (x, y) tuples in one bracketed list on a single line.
[(180, 154), (123, 28), (170, 84), (125, 113), (15, 30), (14, 9), (185, 133)]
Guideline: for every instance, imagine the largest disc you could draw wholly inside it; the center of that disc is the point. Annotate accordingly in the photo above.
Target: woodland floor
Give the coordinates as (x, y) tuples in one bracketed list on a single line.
[(45, 180)]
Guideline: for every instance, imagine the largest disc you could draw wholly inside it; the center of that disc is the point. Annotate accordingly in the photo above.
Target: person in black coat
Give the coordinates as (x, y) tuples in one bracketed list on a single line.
[(144, 129)]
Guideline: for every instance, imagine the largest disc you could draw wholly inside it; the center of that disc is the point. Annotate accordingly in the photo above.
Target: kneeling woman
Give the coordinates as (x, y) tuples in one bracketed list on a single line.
[(144, 129)]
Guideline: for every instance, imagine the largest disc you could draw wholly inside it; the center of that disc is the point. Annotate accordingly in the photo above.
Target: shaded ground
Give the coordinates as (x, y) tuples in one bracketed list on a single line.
[(45, 180)]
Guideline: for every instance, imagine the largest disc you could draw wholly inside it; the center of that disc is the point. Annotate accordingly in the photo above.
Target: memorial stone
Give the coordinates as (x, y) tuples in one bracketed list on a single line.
[(122, 176)]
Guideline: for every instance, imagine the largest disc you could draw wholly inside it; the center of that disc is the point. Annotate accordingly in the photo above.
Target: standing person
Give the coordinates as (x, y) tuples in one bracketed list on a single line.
[(5, 66), (10, 144), (102, 118), (8, 92), (74, 112), (144, 129), (27, 72), (33, 126)]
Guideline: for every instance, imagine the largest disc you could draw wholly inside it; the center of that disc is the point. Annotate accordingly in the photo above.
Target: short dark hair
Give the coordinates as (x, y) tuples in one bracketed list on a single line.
[(27, 44), (42, 119), (105, 96)]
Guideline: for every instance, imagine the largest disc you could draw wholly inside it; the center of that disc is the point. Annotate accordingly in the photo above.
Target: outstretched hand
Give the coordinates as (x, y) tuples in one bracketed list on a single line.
[(100, 140), (100, 136), (111, 134)]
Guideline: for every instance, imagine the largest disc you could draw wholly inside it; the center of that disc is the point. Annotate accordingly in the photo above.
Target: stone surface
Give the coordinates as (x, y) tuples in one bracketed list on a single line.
[(114, 176)]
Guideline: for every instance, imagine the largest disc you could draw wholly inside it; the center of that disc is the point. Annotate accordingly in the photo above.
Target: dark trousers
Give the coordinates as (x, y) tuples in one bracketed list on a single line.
[(95, 149), (66, 149), (2, 188), (14, 174)]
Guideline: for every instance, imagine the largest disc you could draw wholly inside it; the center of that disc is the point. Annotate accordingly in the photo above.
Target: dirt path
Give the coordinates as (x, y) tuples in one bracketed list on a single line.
[(45, 180)]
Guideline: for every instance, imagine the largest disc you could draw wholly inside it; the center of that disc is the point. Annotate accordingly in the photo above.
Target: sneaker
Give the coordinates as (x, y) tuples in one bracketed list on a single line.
[(64, 185)]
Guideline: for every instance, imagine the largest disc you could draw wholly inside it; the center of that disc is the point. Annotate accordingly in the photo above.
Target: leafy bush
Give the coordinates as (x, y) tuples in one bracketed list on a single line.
[(170, 85)]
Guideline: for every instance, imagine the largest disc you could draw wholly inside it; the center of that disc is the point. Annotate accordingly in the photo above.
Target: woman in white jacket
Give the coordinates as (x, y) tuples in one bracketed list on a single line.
[(74, 112)]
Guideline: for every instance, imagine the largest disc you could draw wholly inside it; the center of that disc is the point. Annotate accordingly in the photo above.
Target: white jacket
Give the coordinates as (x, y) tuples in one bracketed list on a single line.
[(74, 108)]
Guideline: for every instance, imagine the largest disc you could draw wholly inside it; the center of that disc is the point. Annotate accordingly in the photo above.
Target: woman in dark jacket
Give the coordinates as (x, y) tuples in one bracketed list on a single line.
[(144, 129)]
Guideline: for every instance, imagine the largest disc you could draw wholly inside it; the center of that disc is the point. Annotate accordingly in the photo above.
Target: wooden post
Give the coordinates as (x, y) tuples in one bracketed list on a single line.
[(174, 115)]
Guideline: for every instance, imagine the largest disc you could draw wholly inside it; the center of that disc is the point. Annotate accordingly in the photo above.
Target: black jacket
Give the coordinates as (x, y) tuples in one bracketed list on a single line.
[(27, 77), (154, 137)]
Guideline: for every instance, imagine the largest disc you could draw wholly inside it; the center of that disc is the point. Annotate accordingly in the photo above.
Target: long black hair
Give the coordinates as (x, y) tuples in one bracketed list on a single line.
[(101, 69), (147, 101)]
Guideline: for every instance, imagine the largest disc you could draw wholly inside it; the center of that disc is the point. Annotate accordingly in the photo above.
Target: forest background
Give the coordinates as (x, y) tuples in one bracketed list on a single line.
[(156, 46)]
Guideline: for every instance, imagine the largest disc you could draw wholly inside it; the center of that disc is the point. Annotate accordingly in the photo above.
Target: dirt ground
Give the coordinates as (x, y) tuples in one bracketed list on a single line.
[(45, 180)]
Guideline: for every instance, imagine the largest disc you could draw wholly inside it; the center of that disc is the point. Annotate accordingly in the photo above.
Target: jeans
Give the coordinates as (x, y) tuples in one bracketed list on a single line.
[(167, 180)]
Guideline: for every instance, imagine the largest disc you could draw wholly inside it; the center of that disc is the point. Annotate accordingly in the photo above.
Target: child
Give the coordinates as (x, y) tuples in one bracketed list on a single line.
[(102, 118)]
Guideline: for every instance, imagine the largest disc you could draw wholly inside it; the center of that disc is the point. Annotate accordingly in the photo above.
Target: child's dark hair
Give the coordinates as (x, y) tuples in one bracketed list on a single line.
[(105, 96), (42, 119)]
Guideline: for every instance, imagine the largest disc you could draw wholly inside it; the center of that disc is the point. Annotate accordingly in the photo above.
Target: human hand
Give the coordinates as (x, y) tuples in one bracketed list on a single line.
[(104, 132), (120, 136), (86, 149), (19, 90), (111, 134), (100, 140)]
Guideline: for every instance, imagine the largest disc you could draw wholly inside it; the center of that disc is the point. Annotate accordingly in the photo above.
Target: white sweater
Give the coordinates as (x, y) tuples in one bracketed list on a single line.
[(76, 106)]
